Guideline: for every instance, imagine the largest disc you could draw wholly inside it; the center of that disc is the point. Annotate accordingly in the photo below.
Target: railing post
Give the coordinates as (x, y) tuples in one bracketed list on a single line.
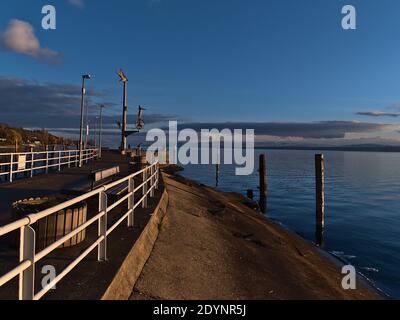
[(144, 204), (32, 163), (157, 176), (152, 180), (102, 249), (47, 160), (131, 203), (11, 167), (59, 160), (69, 159), (80, 153), (27, 253)]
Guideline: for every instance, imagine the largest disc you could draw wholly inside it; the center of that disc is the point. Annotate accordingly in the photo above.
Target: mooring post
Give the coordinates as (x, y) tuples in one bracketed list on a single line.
[(217, 174), (263, 183), (320, 197), (250, 194)]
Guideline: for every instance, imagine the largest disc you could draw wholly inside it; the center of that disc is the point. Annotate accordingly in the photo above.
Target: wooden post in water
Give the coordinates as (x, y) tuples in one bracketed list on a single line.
[(263, 183), (218, 169), (217, 175), (320, 197)]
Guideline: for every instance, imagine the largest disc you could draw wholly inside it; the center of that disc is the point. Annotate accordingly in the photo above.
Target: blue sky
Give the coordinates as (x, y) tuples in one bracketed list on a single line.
[(222, 60)]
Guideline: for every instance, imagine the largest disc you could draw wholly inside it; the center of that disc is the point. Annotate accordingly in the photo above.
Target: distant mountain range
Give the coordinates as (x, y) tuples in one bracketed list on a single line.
[(356, 147)]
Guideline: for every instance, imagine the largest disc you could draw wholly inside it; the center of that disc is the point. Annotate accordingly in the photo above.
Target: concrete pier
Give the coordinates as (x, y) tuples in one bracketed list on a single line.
[(213, 247)]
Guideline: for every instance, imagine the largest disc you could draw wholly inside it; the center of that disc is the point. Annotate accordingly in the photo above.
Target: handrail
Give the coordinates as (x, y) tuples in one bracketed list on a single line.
[(43, 160), (26, 268)]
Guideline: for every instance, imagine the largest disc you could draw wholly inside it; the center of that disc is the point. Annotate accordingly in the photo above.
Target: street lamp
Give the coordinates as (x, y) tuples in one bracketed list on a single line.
[(84, 78), (123, 78)]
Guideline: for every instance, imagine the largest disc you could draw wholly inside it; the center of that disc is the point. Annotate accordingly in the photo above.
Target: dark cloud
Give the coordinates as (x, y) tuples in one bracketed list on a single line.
[(18, 96), (378, 114), (313, 130), (25, 103)]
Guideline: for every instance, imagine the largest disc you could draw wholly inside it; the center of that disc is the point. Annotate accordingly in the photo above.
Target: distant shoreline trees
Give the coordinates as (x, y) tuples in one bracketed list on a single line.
[(10, 136)]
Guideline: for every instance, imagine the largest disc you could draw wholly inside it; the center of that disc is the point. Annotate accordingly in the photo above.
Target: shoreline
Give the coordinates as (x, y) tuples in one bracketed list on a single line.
[(377, 149)]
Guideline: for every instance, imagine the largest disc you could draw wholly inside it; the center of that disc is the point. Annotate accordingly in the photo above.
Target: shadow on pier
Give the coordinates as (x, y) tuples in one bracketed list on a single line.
[(90, 279)]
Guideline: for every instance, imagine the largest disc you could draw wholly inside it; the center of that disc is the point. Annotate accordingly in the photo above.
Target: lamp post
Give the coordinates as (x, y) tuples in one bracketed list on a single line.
[(84, 77), (124, 79)]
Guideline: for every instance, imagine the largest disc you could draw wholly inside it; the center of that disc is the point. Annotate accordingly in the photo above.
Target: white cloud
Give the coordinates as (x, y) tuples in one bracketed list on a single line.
[(77, 3), (20, 37)]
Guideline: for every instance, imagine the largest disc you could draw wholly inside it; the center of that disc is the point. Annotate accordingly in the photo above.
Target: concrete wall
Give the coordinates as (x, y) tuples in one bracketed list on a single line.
[(122, 286)]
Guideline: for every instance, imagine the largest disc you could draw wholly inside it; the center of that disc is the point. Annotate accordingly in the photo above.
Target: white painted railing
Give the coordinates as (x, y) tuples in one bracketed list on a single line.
[(12, 164), (28, 255)]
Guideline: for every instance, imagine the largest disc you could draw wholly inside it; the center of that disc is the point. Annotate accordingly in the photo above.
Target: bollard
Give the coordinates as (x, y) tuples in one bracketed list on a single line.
[(250, 194), (320, 197)]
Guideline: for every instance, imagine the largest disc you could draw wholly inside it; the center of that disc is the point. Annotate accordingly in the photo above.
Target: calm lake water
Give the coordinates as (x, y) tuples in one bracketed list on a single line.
[(362, 204)]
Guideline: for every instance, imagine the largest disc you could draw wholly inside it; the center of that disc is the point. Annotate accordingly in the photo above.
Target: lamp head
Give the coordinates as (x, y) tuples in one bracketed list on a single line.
[(87, 76), (122, 76)]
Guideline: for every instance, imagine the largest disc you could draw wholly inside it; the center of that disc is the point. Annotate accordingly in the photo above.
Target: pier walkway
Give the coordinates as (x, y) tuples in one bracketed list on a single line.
[(90, 279), (213, 247), (54, 183)]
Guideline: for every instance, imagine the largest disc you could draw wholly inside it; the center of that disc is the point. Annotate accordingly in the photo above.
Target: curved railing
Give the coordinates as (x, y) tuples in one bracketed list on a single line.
[(28, 256), (29, 163)]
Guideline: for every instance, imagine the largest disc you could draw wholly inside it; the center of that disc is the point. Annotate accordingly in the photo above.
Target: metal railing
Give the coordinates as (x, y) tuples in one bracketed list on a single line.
[(29, 163), (28, 256)]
